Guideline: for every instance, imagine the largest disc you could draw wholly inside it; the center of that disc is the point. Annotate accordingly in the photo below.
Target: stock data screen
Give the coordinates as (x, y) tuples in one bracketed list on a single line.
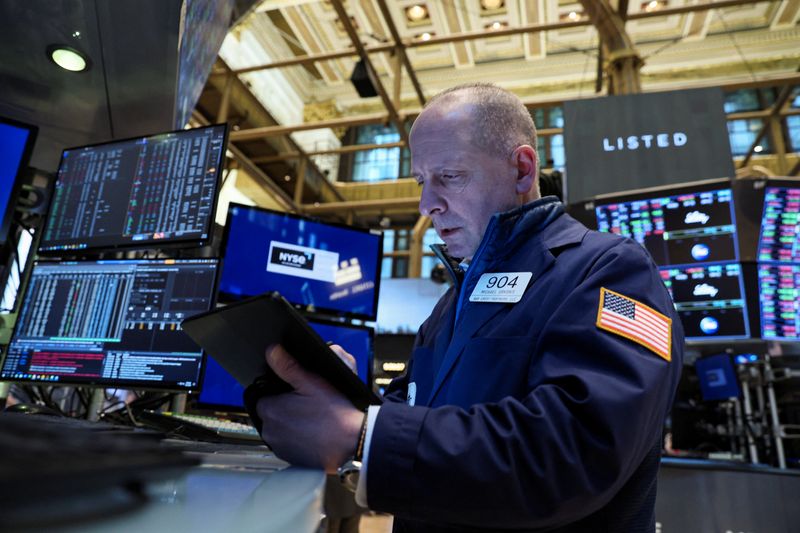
[(683, 229), (139, 192), (326, 267), (111, 323), (779, 290), (220, 389), (709, 300), (780, 225)]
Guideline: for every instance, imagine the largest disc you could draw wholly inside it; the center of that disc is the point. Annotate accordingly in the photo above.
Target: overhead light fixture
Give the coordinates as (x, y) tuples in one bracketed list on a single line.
[(491, 5), (496, 25), (758, 148), (68, 58), (416, 13), (653, 5), (425, 36), (573, 15)]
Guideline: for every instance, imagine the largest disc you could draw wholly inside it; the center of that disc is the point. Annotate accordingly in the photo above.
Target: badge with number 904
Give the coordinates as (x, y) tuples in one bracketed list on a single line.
[(504, 287)]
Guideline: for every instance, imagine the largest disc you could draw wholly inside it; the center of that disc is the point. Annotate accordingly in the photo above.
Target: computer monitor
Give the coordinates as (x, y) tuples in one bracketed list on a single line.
[(221, 392), (325, 268), (139, 193), (16, 145), (717, 378), (779, 239), (779, 295), (111, 324), (710, 300), (687, 225)]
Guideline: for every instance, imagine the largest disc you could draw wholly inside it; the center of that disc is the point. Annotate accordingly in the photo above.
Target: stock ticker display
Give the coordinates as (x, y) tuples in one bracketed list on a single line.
[(780, 225), (710, 300), (113, 323), (677, 230), (779, 288), (137, 192)]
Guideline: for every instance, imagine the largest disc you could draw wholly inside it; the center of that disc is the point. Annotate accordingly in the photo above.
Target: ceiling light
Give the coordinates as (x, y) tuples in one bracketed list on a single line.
[(489, 5), (573, 15), (287, 177), (68, 58), (416, 13), (426, 36), (758, 148), (496, 25), (653, 5)]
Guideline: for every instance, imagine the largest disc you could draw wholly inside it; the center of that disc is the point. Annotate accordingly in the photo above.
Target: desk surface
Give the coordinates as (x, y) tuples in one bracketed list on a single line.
[(237, 488)]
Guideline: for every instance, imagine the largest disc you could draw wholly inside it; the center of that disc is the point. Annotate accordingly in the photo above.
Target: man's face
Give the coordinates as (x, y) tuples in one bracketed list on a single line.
[(462, 185)]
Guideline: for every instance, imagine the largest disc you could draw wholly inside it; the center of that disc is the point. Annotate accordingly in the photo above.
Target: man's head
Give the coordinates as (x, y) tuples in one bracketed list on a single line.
[(473, 152)]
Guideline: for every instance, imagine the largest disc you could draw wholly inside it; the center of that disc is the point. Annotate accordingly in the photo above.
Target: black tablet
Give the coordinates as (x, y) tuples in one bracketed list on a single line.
[(237, 337)]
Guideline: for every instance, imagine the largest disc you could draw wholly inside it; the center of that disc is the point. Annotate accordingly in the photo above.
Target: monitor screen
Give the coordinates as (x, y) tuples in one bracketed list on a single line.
[(780, 225), (16, 144), (220, 390), (319, 266), (779, 294), (677, 229), (111, 323), (717, 377), (710, 300), (144, 192)]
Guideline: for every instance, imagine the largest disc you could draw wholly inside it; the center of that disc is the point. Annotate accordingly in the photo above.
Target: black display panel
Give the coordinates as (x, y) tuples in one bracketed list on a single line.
[(692, 227), (779, 239), (111, 323), (16, 145), (143, 192), (618, 143), (710, 300), (779, 295), (319, 266), (222, 391)]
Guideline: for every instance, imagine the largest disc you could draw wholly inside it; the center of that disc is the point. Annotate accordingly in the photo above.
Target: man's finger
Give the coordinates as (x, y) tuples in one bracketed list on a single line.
[(348, 359), (286, 367)]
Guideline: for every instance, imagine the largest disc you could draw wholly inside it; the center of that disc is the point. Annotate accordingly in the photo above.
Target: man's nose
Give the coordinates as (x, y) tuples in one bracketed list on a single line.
[(430, 200)]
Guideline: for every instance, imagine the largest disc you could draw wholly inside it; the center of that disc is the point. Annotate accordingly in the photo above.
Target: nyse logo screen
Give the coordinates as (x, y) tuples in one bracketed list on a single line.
[(292, 258)]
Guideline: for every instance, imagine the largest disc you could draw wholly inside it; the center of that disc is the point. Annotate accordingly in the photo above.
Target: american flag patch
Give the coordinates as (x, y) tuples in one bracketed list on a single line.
[(635, 321)]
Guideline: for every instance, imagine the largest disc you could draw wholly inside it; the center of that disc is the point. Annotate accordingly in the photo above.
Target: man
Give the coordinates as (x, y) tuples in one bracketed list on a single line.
[(537, 389)]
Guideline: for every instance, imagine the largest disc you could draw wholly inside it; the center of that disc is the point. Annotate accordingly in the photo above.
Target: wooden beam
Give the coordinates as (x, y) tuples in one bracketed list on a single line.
[(301, 181), (371, 72), (313, 58), (401, 51), (415, 246), (338, 207), (780, 101), (341, 150), (273, 131)]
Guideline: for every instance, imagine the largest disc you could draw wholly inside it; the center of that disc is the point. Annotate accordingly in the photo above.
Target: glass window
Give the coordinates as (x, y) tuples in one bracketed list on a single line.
[(430, 237), (386, 267), (742, 100), (380, 163), (557, 151), (428, 262), (742, 133), (388, 240), (793, 125)]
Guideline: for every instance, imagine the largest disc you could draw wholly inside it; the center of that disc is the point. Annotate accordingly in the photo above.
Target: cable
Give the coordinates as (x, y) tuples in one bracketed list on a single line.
[(718, 12)]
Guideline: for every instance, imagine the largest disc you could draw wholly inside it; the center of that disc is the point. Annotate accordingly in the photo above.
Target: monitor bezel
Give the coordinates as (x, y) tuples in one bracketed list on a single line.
[(223, 408), (157, 244), (316, 310), (128, 385), (27, 152)]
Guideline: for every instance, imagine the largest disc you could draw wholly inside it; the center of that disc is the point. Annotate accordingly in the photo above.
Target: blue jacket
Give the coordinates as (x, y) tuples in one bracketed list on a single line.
[(529, 416)]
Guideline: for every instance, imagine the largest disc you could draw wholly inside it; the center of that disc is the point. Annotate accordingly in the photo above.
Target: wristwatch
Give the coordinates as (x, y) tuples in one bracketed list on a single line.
[(349, 473), (351, 469)]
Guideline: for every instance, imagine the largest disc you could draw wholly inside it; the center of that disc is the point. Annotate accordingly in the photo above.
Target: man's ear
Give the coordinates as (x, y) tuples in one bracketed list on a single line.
[(526, 161)]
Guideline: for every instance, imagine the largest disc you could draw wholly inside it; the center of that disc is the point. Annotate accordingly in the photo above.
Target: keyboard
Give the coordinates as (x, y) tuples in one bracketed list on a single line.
[(201, 427), (52, 459)]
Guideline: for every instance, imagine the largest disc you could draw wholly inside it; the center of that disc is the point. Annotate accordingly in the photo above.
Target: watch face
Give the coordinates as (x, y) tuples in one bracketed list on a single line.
[(349, 473)]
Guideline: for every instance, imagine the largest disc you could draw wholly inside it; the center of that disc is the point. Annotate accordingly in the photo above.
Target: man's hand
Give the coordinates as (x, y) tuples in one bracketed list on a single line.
[(315, 425)]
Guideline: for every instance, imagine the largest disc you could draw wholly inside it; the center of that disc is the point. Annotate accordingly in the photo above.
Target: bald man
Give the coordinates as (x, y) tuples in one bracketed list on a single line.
[(537, 389)]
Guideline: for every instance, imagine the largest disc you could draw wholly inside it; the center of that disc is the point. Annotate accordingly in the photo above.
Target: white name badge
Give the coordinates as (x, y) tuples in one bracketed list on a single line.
[(503, 287)]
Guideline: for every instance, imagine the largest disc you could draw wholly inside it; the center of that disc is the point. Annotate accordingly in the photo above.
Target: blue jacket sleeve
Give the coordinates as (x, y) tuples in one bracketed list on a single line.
[(595, 408)]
